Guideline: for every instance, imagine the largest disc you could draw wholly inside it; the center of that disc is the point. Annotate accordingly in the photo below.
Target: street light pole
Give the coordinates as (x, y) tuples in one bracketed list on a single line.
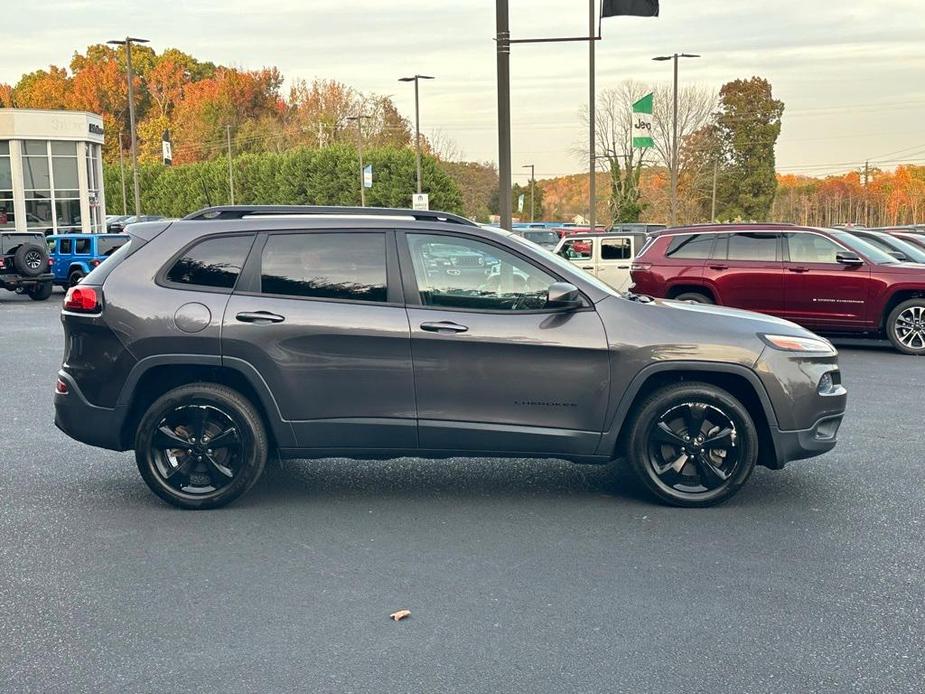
[(230, 168), (592, 103), (417, 121), (359, 121), (122, 173), (674, 132), (503, 45), (127, 42), (532, 168)]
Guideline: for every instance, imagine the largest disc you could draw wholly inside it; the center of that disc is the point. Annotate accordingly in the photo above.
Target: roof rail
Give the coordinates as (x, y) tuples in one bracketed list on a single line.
[(242, 211)]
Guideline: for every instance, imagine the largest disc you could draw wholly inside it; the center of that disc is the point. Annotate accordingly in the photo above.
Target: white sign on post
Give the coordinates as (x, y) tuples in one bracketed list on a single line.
[(420, 201), (368, 176)]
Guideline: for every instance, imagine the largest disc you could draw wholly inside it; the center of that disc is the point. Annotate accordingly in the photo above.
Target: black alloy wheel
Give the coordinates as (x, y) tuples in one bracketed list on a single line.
[(74, 278), (201, 446), (693, 444)]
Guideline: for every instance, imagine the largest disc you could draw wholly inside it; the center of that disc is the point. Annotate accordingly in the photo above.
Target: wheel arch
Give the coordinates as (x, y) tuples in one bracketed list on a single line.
[(895, 299), (154, 376), (737, 380), (677, 289)]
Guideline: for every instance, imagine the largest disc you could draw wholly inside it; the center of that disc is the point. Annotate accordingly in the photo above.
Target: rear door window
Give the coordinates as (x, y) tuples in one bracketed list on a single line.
[(347, 266), (754, 246), (82, 246), (64, 246), (214, 262), (616, 249)]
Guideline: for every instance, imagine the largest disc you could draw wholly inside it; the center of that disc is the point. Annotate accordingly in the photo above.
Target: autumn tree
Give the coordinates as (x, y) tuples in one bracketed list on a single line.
[(478, 184), (6, 96), (49, 89), (748, 124)]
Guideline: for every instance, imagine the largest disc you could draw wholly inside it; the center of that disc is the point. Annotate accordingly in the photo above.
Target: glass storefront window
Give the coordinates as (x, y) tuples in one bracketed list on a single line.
[(65, 173), (39, 215), (35, 173), (7, 220), (67, 215)]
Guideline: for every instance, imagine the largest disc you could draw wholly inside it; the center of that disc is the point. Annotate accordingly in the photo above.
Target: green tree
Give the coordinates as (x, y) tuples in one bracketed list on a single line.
[(516, 191), (747, 127), (478, 184)]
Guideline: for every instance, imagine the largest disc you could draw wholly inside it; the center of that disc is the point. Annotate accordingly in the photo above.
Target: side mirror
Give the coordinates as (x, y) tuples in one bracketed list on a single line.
[(563, 295), (846, 258)]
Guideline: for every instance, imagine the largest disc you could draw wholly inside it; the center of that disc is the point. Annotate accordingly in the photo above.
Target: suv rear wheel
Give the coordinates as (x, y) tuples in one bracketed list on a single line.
[(201, 446), (40, 292), (905, 327), (74, 278), (692, 444)]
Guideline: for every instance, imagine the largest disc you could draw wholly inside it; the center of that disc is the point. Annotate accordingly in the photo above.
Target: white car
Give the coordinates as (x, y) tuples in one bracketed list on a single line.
[(607, 256)]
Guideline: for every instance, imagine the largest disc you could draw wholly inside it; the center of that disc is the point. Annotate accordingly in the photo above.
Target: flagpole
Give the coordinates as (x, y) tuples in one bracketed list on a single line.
[(592, 179)]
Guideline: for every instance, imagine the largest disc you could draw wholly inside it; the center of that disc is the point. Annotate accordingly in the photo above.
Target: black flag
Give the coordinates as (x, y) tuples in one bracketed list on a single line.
[(638, 8)]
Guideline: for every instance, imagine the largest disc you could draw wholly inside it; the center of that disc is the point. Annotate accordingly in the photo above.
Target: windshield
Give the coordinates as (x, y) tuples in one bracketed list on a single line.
[(550, 237), (871, 252), (565, 266), (891, 243)]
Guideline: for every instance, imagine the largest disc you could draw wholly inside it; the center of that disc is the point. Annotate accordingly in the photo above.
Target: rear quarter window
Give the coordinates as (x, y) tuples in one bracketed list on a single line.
[(691, 246), (215, 262)]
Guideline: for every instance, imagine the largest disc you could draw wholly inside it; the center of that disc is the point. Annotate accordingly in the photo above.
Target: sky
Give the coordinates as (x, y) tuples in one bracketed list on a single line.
[(850, 72)]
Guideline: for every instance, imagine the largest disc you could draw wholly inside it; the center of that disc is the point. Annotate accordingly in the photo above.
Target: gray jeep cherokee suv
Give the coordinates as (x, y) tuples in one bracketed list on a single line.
[(207, 343)]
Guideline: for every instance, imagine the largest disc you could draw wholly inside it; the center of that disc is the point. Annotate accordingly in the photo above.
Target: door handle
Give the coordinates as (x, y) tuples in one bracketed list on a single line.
[(259, 317), (798, 269), (623, 267), (586, 267), (444, 327), (719, 267)]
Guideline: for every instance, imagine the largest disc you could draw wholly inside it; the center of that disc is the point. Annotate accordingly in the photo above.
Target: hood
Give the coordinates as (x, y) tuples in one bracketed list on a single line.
[(910, 270), (719, 315)]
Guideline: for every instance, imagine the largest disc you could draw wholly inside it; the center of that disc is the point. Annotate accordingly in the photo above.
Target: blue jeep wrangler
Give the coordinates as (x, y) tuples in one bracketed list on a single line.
[(73, 256)]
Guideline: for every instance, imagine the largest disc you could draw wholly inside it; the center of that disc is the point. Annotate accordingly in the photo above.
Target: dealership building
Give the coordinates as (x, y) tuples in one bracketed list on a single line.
[(51, 171)]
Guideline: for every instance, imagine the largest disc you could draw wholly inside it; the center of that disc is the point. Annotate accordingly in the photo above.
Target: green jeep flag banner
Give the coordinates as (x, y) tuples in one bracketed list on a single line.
[(642, 123), (638, 8)]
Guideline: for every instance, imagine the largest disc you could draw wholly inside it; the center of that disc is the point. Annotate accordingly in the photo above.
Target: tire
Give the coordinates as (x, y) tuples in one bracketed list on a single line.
[(694, 297), (30, 260), (41, 292), (704, 477), (210, 476), (74, 278), (905, 327)]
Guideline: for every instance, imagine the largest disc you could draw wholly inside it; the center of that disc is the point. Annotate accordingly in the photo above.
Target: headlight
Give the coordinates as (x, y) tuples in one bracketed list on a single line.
[(791, 343)]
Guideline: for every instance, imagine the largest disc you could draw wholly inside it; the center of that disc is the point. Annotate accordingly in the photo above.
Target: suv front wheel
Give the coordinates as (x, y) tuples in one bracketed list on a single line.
[(905, 327), (201, 446), (692, 444)]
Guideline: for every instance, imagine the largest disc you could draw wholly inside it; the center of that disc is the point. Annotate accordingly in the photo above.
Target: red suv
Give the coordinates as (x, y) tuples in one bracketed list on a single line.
[(824, 279)]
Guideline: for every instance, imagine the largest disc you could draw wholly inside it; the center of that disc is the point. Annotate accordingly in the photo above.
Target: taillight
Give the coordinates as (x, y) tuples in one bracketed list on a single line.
[(2, 264), (640, 266), (82, 300), (61, 387), (94, 263)]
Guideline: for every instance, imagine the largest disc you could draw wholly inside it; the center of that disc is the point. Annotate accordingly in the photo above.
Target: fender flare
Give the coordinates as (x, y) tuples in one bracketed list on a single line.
[(282, 430), (612, 434)]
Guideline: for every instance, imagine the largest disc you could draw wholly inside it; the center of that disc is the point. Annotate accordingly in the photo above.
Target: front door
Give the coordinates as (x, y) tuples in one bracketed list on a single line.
[(613, 257), (820, 291), (494, 369), (319, 316)]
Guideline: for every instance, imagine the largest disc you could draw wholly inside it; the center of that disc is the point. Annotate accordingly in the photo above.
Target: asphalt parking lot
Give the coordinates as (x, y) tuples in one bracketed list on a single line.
[(520, 575)]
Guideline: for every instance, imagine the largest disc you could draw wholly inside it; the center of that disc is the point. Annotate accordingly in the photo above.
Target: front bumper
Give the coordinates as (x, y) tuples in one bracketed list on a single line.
[(85, 422), (806, 443)]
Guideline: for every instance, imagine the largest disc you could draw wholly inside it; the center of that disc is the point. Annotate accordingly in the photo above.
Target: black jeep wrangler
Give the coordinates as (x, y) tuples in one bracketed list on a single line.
[(24, 264)]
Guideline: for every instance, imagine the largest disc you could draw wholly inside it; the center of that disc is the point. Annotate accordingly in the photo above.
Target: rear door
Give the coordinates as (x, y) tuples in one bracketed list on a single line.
[(319, 315), (612, 260), (494, 369), (63, 258), (746, 271), (821, 292)]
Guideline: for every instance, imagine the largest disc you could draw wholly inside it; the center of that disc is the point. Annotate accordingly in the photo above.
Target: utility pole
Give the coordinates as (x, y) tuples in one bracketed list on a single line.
[(674, 131), (866, 200), (503, 47), (532, 168), (715, 176), (592, 117), (127, 42), (417, 121), (230, 167), (359, 121), (122, 173)]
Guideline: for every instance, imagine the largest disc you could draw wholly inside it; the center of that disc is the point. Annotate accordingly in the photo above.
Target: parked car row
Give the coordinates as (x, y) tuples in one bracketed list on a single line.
[(830, 281)]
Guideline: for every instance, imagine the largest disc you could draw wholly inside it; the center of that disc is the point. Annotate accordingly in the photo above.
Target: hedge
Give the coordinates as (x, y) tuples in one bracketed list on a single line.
[(328, 176)]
